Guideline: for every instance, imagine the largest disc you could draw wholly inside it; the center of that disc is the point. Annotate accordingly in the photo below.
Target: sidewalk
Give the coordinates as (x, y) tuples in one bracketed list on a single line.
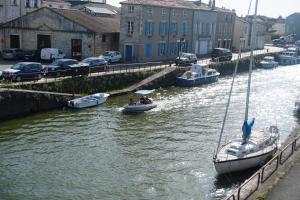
[(288, 188)]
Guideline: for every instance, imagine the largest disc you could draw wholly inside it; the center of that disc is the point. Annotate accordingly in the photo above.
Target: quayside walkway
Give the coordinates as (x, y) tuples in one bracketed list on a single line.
[(144, 82)]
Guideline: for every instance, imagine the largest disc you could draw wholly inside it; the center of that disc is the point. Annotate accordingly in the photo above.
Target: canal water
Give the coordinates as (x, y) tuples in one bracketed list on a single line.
[(100, 153)]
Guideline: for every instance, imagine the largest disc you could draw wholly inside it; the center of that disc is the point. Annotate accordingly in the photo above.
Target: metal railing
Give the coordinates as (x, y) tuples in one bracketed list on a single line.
[(83, 71), (252, 184)]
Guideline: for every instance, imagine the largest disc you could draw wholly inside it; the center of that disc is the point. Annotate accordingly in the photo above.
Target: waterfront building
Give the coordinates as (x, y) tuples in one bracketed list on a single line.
[(225, 27), (12, 9), (204, 29), (262, 35), (155, 30), (76, 33), (293, 25), (241, 35)]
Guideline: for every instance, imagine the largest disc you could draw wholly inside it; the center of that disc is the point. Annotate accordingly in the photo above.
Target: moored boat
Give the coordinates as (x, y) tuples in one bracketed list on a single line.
[(290, 57), (88, 101), (198, 75), (268, 62)]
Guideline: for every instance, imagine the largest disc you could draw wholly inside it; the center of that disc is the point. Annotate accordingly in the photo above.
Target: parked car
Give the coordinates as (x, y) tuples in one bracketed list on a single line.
[(60, 67), (1, 75), (50, 54), (96, 64), (13, 54), (112, 56), (32, 55), (24, 71), (186, 59), (221, 54)]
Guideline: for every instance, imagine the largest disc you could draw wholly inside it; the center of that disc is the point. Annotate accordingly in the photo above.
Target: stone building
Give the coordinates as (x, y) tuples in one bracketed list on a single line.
[(155, 30), (12, 9), (241, 35), (225, 27), (292, 25), (76, 33), (204, 29)]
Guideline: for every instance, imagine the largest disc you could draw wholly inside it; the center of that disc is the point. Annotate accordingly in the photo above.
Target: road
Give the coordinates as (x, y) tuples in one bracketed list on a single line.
[(119, 69)]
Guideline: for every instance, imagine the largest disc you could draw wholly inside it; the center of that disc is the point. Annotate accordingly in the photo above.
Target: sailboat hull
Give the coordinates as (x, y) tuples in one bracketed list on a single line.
[(229, 166)]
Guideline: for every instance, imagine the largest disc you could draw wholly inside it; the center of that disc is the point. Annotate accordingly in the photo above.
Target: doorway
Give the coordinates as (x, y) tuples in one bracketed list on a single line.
[(76, 49), (14, 41), (43, 41), (129, 53)]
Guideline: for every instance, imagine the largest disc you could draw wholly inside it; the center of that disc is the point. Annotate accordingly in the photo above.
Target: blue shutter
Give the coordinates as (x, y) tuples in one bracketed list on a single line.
[(149, 50), (146, 28), (167, 28), (160, 28), (184, 28), (158, 49), (176, 30), (153, 26)]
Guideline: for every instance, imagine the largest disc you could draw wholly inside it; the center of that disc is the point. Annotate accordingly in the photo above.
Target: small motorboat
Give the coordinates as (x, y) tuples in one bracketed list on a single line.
[(145, 103), (198, 75), (88, 101), (268, 62)]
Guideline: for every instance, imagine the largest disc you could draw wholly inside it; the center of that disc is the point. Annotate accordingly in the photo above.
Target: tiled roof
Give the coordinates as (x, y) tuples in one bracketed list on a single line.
[(176, 4), (92, 23), (164, 3)]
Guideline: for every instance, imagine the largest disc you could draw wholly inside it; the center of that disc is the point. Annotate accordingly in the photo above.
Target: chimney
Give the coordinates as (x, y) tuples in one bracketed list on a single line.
[(214, 4), (209, 4)]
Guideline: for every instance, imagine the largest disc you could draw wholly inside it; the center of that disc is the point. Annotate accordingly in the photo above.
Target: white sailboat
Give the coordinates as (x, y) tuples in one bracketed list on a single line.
[(253, 148)]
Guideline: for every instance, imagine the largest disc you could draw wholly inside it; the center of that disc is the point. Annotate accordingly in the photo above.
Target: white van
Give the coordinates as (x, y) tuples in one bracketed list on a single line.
[(51, 54)]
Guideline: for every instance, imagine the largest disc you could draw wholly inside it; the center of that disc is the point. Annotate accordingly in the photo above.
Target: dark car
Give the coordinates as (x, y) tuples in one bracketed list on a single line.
[(13, 54), (95, 64), (32, 55), (24, 71), (60, 67), (221, 54), (186, 59)]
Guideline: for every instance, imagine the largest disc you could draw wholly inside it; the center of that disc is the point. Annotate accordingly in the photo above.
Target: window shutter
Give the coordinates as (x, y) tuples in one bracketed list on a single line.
[(146, 28), (176, 30), (166, 28), (153, 27), (158, 49), (160, 28)]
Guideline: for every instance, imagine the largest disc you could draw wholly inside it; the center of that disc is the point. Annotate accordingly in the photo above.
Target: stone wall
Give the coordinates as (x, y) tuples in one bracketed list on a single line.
[(17, 103)]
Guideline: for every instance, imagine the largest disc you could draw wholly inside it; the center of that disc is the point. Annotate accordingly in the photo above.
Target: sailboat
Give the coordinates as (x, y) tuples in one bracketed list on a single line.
[(253, 148)]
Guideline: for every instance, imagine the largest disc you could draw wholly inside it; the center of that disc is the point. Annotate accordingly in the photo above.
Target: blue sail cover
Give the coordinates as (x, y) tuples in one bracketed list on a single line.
[(247, 128)]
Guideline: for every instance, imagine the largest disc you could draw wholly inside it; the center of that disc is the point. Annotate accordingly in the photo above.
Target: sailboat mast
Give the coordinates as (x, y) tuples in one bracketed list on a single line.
[(252, 44)]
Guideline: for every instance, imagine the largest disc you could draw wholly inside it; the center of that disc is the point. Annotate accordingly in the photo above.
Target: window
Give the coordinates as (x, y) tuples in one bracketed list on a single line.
[(103, 38), (150, 11), (174, 28), (163, 12), (149, 28), (35, 3), (27, 4), (173, 13), (162, 49), (163, 28), (130, 27), (130, 9), (14, 3), (184, 14)]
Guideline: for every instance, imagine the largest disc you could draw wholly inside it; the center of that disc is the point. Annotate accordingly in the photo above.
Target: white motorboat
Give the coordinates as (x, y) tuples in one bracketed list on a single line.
[(290, 57), (268, 62), (253, 148), (144, 104), (88, 101)]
